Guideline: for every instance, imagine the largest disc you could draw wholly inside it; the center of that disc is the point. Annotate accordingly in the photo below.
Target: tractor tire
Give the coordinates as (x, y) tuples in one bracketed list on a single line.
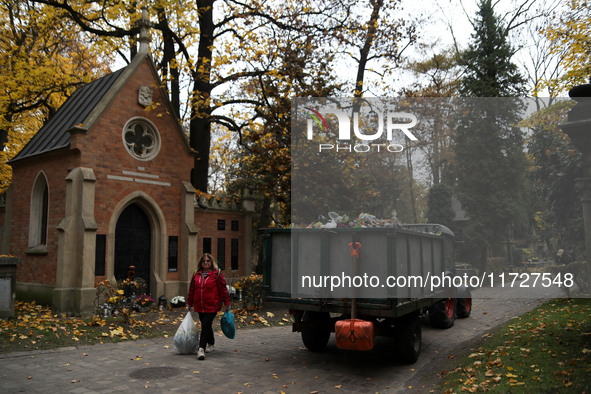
[(464, 305), (316, 339), (443, 313), (408, 337)]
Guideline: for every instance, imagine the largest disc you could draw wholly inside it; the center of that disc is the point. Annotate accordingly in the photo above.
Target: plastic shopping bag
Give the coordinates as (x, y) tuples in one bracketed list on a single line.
[(227, 324), (186, 337)]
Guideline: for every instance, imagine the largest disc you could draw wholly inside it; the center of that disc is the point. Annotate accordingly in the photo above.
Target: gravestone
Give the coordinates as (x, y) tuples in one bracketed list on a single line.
[(8, 285)]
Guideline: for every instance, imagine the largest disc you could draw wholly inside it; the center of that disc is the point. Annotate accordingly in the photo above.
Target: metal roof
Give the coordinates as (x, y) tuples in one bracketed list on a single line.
[(54, 133)]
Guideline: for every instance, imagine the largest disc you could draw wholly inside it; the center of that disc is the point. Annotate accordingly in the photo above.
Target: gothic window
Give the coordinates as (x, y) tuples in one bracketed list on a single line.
[(222, 253), (173, 253), (206, 245), (141, 139), (234, 253), (39, 212)]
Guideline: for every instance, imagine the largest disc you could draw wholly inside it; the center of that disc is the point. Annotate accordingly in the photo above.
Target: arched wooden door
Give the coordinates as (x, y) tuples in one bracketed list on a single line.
[(133, 242)]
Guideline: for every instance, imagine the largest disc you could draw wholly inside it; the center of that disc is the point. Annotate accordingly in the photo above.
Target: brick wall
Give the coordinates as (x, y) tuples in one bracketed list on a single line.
[(207, 222), (39, 269)]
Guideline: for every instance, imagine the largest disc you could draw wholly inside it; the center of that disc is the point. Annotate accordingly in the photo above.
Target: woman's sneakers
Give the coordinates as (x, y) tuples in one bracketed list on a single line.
[(201, 353)]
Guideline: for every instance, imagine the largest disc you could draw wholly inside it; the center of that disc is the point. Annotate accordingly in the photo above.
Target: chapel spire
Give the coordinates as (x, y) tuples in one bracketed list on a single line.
[(144, 25)]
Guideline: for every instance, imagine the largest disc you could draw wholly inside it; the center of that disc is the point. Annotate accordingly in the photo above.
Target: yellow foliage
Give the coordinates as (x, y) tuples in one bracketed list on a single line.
[(43, 61), (570, 37)]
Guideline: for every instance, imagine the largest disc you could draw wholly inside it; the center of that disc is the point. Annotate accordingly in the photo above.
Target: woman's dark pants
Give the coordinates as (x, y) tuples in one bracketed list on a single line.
[(206, 336)]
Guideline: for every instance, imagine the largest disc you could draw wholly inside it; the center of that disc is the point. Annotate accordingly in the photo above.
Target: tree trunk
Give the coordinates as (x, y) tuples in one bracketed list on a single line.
[(436, 166), (4, 131), (200, 126), (168, 57), (411, 181), (483, 259), (364, 52)]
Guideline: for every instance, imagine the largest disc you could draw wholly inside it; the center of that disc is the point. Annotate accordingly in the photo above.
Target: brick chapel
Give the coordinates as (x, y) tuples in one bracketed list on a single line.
[(103, 185)]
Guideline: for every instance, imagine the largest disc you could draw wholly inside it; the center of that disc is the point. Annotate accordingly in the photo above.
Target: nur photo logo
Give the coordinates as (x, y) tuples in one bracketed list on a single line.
[(387, 121)]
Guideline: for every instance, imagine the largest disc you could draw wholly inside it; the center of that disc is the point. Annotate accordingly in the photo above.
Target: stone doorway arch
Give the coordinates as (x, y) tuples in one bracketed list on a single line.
[(150, 208)]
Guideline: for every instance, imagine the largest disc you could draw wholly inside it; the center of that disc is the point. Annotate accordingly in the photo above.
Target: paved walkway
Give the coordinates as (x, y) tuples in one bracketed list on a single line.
[(266, 360)]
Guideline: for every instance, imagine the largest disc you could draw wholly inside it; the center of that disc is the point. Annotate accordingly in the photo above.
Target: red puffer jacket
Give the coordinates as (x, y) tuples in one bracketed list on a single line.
[(204, 292)]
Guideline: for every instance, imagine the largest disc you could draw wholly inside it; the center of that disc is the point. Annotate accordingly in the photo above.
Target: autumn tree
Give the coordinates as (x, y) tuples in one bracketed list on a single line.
[(353, 28), (263, 161), (538, 59), (440, 210), (44, 59), (372, 38), (569, 38), (438, 77), (555, 165), (488, 147), (437, 73)]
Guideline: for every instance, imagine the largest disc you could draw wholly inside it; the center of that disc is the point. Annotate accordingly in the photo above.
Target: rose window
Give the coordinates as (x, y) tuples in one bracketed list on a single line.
[(141, 139)]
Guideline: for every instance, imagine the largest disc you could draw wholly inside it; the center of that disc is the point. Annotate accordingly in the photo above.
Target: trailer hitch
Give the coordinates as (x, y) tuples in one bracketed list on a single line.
[(355, 249)]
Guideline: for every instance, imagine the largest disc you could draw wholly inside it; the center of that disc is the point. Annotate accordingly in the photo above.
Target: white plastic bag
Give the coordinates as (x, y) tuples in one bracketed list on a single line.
[(186, 337)]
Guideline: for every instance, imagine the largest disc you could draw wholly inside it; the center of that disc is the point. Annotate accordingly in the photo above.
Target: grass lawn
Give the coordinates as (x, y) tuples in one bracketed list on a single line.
[(547, 350)]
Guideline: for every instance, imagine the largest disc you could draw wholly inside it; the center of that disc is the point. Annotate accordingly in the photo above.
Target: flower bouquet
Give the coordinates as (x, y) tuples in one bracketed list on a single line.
[(113, 301), (178, 302), (144, 302)]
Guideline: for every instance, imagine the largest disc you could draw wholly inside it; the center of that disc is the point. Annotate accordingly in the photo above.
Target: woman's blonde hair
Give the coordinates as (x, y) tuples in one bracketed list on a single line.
[(214, 264)]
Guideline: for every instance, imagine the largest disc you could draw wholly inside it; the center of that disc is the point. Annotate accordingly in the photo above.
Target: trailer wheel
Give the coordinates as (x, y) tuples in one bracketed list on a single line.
[(443, 313), (315, 340), (464, 305), (408, 334)]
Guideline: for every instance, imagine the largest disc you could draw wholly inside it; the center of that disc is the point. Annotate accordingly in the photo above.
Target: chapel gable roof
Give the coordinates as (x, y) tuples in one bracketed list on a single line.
[(83, 109), (54, 133)]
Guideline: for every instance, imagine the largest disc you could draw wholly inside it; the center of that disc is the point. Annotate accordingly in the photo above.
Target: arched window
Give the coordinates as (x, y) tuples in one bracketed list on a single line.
[(39, 212)]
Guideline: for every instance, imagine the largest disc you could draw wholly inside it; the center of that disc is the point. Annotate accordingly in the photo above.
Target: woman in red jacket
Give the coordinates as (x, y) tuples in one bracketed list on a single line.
[(206, 293)]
